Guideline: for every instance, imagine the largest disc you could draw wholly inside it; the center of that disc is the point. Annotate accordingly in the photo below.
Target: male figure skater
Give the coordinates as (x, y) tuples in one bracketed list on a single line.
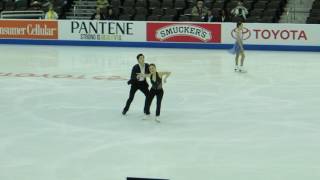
[(138, 82)]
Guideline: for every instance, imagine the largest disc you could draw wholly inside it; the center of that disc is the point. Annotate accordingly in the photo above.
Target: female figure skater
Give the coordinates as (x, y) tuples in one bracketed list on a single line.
[(238, 48), (156, 88)]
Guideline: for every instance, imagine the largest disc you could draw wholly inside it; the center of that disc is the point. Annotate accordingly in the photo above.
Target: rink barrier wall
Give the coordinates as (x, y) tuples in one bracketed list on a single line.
[(195, 35), (158, 45)]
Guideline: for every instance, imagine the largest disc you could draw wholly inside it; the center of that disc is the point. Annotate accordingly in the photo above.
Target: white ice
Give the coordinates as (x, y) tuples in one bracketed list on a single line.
[(216, 124)]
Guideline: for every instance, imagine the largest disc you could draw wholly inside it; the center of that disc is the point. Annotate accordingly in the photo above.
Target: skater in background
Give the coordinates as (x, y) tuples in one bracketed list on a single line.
[(238, 48), (156, 88), (138, 82)]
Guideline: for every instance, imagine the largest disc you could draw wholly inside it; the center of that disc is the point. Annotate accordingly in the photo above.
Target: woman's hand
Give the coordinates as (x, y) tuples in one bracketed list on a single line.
[(140, 75)]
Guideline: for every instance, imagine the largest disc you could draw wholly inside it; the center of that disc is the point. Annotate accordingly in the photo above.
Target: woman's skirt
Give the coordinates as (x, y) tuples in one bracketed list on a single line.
[(235, 49)]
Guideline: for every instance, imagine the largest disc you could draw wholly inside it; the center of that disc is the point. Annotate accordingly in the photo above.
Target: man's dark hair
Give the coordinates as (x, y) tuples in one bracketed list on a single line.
[(138, 56)]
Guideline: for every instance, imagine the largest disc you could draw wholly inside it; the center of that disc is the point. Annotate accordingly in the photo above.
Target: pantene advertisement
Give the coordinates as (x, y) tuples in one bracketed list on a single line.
[(87, 30), (34, 29)]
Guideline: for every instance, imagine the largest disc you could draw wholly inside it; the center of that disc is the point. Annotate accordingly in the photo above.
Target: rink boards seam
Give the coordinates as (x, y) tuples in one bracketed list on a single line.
[(158, 45)]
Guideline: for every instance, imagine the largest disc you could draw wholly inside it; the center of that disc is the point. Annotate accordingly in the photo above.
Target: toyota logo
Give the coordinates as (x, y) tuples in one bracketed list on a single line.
[(246, 33)]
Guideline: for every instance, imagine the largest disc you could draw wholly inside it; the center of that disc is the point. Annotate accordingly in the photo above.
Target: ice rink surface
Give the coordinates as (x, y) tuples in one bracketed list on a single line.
[(60, 115)]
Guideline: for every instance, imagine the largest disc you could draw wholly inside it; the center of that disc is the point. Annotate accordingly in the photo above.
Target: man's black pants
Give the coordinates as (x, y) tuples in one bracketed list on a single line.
[(143, 87)]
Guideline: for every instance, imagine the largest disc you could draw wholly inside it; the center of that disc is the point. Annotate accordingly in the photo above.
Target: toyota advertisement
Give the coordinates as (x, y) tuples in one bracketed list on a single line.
[(273, 34)]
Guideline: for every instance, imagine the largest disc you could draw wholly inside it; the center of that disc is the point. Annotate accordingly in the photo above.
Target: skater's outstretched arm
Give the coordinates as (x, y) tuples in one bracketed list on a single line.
[(165, 74)]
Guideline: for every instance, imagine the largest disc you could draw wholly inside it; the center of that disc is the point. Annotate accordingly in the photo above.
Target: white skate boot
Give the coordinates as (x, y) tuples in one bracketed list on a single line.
[(146, 117), (157, 119), (242, 70), (236, 68)]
